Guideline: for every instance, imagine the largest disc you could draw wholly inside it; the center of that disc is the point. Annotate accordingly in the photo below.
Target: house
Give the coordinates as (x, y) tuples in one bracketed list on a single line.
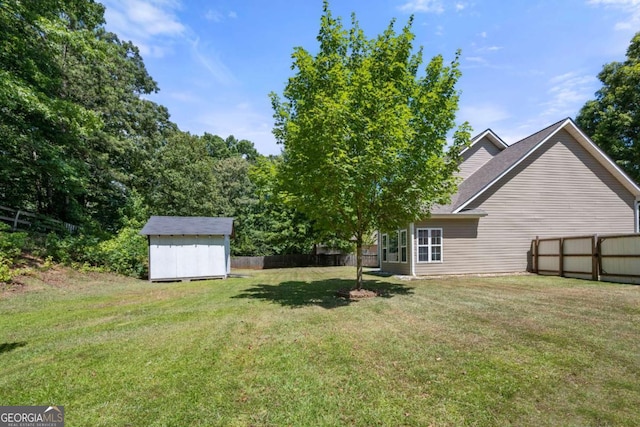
[(182, 248), (556, 182)]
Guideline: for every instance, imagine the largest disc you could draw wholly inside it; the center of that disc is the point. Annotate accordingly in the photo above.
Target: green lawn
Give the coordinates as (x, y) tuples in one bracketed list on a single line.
[(277, 348)]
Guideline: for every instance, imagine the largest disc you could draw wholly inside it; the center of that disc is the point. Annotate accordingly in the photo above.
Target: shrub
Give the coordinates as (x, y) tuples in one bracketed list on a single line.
[(11, 246), (126, 253), (68, 249), (11, 243)]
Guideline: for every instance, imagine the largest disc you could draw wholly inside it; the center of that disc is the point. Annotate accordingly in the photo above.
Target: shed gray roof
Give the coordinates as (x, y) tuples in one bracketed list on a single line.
[(187, 225)]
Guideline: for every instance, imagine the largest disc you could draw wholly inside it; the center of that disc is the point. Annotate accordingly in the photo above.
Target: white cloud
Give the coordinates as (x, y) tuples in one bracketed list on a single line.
[(153, 26), (186, 97), (460, 7), (476, 60), (149, 24), (483, 115), (244, 122), (483, 34), (212, 63), (213, 16), (568, 93), (217, 16), (424, 6), (630, 7)]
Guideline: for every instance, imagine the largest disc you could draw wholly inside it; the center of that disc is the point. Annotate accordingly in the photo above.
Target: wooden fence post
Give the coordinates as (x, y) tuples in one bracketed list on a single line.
[(595, 274), (561, 258), (599, 255), (537, 257)]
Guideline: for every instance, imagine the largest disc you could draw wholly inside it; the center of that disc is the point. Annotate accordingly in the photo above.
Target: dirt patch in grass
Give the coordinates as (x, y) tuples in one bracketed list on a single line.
[(356, 294)]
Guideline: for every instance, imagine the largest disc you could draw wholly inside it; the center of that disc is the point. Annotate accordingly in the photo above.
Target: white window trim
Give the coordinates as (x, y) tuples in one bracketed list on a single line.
[(397, 248), (412, 256), (429, 245), (637, 215), (384, 247), (400, 246)]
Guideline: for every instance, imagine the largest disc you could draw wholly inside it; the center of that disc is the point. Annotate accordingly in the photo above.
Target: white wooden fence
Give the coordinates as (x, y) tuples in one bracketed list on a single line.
[(612, 258), (22, 220)]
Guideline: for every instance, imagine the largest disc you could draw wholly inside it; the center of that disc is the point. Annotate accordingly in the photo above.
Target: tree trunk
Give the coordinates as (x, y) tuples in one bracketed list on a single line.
[(359, 263)]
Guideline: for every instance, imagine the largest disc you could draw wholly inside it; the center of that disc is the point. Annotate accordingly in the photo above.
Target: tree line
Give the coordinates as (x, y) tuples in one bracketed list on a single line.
[(80, 143), (363, 129)]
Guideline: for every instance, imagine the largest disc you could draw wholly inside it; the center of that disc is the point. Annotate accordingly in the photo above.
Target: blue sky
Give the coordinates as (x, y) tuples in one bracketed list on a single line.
[(525, 63)]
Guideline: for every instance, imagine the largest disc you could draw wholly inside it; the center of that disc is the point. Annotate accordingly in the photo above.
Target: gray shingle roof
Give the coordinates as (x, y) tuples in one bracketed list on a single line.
[(500, 164), (187, 225)]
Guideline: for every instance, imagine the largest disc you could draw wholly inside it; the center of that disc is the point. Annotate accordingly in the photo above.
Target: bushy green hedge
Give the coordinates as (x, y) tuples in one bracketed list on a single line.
[(124, 253), (11, 246)]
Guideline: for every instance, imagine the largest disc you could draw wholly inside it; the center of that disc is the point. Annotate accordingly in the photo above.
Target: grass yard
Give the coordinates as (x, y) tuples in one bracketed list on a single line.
[(277, 348)]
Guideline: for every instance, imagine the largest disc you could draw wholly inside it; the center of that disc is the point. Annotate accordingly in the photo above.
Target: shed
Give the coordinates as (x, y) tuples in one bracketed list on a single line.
[(182, 248)]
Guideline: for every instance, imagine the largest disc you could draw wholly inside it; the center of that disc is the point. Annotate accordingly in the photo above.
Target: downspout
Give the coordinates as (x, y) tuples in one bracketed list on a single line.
[(413, 258)]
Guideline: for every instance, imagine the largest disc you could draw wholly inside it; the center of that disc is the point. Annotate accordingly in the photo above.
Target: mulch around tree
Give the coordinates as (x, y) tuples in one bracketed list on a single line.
[(355, 294)]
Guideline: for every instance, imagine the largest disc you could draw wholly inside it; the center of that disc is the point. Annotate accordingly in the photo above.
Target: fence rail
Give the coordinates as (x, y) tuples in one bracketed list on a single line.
[(612, 258), (290, 261), (22, 220)]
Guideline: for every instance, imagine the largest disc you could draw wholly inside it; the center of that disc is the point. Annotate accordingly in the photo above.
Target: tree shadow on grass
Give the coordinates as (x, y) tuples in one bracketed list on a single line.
[(6, 347), (322, 293)]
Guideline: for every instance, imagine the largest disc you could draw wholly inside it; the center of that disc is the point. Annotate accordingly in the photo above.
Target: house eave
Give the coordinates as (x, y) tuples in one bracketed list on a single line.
[(461, 215)]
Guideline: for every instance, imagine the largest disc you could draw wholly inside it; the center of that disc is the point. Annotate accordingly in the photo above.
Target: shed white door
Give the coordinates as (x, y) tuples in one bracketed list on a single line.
[(175, 257)]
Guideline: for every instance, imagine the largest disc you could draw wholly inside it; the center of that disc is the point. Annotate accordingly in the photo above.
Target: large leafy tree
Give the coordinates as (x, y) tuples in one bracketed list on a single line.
[(42, 131), (612, 120), (365, 134), (182, 181), (77, 135)]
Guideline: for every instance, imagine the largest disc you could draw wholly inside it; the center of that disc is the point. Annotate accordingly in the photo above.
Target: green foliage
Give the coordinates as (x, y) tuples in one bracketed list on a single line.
[(11, 247), (69, 249), (77, 136), (268, 226), (364, 135), (219, 148), (126, 253), (612, 120), (11, 243)]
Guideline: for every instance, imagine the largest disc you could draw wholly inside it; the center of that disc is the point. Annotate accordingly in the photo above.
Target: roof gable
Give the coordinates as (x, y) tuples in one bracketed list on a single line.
[(187, 225), (483, 148), (509, 158), (491, 136)]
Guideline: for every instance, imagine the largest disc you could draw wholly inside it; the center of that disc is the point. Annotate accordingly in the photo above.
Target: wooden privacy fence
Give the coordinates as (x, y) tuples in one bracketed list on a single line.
[(289, 261), (613, 258)]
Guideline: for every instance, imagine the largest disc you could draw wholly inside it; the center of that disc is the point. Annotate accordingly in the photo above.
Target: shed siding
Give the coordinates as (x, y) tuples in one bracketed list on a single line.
[(560, 190), (476, 157), (177, 257)]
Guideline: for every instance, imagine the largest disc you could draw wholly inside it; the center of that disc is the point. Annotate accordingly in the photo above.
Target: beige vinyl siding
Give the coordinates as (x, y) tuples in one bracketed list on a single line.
[(459, 243), (398, 267), (560, 190), (476, 156)]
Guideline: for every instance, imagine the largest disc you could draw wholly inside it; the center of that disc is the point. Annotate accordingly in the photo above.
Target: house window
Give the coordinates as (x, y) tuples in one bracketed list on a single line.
[(385, 243), (430, 245), (637, 217), (403, 246), (392, 255)]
